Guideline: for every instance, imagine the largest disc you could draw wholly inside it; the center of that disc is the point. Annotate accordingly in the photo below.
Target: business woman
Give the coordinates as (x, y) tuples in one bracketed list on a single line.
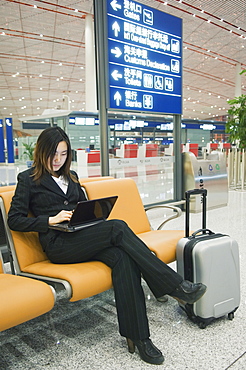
[(50, 190)]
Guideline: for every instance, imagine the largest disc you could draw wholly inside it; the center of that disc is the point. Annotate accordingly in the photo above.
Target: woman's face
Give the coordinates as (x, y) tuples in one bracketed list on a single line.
[(60, 156)]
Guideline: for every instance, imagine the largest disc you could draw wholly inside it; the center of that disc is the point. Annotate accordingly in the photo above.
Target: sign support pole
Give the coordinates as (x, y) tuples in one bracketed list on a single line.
[(100, 32), (2, 154), (178, 170)]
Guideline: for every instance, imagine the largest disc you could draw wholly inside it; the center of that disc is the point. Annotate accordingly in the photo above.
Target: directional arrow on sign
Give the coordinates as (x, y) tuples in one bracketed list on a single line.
[(116, 51), (115, 5), (117, 98), (116, 75), (116, 28)]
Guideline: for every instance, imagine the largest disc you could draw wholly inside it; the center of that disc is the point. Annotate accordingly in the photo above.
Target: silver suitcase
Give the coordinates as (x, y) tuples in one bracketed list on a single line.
[(212, 259)]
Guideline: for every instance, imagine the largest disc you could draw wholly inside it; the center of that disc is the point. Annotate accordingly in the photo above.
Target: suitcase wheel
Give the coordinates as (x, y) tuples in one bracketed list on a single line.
[(231, 315), (202, 325)]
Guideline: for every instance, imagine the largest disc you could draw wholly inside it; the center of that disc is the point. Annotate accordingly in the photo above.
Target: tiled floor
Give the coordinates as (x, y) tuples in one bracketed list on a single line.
[(84, 335)]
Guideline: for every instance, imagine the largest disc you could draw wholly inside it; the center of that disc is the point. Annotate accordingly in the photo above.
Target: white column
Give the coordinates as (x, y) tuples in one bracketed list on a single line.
[(66, 102), (238, 81), (90, 70)]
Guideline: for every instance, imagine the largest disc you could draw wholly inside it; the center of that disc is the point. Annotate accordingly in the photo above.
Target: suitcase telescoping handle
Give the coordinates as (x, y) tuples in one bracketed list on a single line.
[(188, 193)]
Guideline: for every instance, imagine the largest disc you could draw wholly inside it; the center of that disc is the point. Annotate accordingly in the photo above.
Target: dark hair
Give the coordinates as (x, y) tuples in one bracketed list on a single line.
[(45, 150)]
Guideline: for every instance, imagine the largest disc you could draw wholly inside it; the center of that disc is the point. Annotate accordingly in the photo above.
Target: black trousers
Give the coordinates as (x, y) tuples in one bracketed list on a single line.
[(113, 243)]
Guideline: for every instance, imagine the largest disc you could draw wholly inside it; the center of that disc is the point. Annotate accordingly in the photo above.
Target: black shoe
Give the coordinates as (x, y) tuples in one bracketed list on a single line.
[(147, 350), (188, 292)]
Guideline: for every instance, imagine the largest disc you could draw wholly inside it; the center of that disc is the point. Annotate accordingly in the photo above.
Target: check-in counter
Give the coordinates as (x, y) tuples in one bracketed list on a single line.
[(210, 174)]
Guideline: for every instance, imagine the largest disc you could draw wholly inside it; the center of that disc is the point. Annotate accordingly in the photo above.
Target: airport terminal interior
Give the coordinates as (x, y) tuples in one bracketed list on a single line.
[(175, 138)]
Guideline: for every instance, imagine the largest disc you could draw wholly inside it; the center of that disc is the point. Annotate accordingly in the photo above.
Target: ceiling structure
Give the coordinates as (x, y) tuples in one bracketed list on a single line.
[(42, 54)]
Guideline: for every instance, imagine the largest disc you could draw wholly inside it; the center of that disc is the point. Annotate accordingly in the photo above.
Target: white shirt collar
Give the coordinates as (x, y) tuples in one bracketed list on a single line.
[(62, 182)]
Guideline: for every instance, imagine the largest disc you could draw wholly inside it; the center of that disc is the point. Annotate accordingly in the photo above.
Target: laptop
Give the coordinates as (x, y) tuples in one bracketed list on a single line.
[(87, 213)]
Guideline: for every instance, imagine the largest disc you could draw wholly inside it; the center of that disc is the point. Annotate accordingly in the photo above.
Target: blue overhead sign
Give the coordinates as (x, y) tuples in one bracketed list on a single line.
[(144, 58), (10, 143)]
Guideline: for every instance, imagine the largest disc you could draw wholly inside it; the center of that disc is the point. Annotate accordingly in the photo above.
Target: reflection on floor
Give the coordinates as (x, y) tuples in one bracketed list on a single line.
[(84, 335)]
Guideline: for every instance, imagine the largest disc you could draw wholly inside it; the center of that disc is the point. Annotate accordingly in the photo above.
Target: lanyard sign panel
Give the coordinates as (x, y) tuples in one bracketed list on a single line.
[(144, 58)]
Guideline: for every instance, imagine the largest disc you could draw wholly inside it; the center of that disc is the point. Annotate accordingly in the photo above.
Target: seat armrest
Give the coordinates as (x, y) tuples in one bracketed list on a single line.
[(177, 210)]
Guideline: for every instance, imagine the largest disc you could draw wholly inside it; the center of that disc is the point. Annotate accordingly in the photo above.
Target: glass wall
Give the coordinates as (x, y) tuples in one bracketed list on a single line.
[(143, 150), (140, 147)]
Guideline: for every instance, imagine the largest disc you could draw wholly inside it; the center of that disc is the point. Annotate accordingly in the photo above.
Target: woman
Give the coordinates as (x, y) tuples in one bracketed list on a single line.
[(51, 190)]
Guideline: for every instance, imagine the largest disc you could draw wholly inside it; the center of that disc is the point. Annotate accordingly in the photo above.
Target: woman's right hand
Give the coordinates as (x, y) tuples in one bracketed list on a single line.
[(60, 217)]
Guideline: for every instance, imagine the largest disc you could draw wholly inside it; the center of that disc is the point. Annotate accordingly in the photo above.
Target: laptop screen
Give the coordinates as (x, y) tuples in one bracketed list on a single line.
[(92, 210)]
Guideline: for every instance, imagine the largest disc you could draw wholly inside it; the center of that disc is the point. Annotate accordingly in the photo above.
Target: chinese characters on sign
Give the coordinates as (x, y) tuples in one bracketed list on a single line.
[(144, 58)]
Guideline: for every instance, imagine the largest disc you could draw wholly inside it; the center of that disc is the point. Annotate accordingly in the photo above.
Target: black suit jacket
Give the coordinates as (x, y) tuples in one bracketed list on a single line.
[(43, 199)]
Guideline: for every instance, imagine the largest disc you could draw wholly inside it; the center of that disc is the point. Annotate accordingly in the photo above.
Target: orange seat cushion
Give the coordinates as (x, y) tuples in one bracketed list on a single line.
[(86, 278), (163, 243), (22, 299)]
